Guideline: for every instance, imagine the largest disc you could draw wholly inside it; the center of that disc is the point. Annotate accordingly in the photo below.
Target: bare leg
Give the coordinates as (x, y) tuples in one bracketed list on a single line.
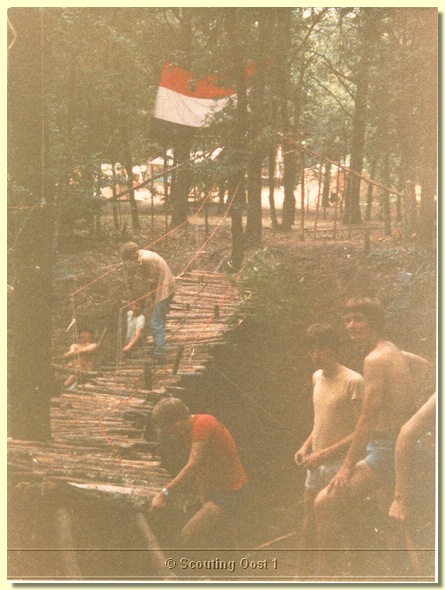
[(196, 531), (306, 559), (69, 381), (332, 511)]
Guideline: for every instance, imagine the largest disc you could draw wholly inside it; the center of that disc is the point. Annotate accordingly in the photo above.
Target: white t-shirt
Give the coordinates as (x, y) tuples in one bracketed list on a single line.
[(133, 323), (334, 396)]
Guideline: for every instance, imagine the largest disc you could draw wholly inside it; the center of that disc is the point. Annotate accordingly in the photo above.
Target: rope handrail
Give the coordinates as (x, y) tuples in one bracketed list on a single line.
[(207, 154), (311, 152)]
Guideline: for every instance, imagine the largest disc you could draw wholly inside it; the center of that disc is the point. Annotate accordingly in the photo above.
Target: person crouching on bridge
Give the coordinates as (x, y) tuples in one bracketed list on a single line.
[(161, 287), (135, 327), (213, 464)]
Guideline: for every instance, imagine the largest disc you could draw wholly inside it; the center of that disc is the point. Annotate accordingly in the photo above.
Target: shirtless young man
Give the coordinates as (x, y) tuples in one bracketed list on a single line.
[(423, 419), (388, 402), (83, 355), (337, 398)]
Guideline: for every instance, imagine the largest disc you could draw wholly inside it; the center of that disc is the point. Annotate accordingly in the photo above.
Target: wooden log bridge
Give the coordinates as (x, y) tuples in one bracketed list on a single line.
[(100, 444)]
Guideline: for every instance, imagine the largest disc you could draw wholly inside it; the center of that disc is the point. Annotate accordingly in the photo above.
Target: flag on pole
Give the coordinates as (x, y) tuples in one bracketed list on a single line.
[(183, 103)]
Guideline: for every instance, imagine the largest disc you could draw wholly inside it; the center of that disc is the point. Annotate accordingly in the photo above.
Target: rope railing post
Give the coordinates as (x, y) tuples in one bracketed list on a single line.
[(152, 211), (302, 195), (317, 209), (337, 188)]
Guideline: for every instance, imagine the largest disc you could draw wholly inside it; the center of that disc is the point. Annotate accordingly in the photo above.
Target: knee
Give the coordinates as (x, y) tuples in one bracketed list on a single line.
[(325, 504), (186, 537)]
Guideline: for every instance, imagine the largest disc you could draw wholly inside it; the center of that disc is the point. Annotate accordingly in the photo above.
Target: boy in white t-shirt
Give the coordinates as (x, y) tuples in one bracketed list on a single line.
[(135, 326), (337, 396)]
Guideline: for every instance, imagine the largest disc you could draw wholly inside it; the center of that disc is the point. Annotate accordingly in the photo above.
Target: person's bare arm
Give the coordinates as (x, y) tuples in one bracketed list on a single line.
[(329, 453), (318, 458), (79, 351), (197, 453), (374, 377), (136, 337), (409, 433), (418, 368), (303, 451)]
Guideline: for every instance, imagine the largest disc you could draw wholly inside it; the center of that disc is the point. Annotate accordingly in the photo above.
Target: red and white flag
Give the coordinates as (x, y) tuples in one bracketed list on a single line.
[(184, 104)]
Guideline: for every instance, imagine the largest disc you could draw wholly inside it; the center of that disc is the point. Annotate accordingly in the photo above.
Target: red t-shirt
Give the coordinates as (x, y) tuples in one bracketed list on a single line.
[(221, 468)]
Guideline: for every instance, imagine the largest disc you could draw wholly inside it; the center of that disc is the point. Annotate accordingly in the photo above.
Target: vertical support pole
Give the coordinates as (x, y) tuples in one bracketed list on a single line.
[(152, 210), (64, 542), (206, 215), (179, 353), (166, 196), (337, 187), (302, 194), (317, 210), (148, 376), (367, 246)]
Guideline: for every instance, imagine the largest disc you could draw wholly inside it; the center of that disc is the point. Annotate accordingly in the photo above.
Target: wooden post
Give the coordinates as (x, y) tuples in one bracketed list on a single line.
[(148, 376), (64, 541), (157, 556), (337, 188), (165, 188), (302, 195), (320, 176), (206, 214), (152, 209), (179, 354), (410, 208), (367, 247)]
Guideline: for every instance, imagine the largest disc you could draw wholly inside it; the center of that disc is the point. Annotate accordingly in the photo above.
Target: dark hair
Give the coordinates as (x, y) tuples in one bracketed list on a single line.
[(322, 336), (370, 307), (86, 329), (170, 410)]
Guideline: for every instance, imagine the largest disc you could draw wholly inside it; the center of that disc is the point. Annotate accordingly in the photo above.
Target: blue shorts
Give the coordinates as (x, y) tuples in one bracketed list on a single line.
[(380, 457), (319, 477), (230, 501)]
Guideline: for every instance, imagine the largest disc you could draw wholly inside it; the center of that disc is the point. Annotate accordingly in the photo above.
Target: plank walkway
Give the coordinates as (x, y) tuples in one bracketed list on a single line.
[(99, 440)]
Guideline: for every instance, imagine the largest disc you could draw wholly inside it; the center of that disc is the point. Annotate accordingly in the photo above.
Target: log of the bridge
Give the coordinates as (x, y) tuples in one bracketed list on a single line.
[(67, 369), (92, 424), (64, 541), (156, 554)]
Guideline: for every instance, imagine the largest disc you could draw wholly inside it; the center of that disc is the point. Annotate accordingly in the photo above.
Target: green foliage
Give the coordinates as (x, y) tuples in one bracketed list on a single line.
[(273, 290), (286, 291)]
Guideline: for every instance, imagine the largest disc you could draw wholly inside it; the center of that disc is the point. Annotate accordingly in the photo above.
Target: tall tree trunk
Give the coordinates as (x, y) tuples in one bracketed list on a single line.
[(254, 205), (352, 195), (180, 193), (289, 155), (386, 180), (429, 120), (369, 33), (326, 185), (271, 179), (129, 167), (370, 190), (236, 152), (31, 381), (182, 147)]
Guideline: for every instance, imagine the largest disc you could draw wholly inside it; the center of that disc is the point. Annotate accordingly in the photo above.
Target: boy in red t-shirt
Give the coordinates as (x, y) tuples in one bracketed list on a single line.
[(213, 463)]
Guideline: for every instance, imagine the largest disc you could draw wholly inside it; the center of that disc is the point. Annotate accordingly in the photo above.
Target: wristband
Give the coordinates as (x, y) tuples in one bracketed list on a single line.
[(165, 492)]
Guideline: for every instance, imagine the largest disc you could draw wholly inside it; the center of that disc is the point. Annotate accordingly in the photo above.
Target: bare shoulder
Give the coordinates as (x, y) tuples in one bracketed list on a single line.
[(414, 359), (383, 354)]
